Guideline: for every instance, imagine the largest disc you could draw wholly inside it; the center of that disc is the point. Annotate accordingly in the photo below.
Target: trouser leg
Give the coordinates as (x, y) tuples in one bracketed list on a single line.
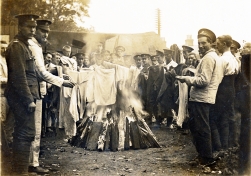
[(35, 145), (215, 136), (200, 129)]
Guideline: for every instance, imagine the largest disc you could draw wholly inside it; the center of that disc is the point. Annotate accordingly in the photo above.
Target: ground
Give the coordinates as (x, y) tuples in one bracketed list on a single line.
[(171, 159)]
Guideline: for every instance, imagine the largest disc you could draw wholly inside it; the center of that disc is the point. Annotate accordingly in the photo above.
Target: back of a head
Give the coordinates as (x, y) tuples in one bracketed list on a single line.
[(226, 39)]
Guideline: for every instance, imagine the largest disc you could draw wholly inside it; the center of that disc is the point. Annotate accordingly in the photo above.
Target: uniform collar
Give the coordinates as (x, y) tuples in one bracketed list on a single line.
[(22, 38)]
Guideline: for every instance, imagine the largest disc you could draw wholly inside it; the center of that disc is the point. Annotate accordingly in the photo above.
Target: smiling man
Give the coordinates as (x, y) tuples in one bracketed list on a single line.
[(203, 91)]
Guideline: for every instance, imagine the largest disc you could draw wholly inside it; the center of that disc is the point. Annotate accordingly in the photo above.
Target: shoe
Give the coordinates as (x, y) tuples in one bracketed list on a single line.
[(38, 169), (206, 161), (185, 132), (218, 154)]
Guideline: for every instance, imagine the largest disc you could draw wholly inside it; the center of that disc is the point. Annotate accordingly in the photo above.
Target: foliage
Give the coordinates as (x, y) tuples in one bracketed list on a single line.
[(63, 13)]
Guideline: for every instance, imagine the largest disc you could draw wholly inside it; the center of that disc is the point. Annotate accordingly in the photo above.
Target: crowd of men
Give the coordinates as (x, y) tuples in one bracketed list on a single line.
[(217, 79)]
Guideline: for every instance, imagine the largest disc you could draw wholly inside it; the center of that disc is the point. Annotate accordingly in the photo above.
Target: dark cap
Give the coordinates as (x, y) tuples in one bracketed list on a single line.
[(80, 55), (160, 53), (28, 19), (236, 44), (120, 48), (155, 57), (207, 33), (77, 44), (168, 51), (138, 56), (187, 48), (145, 55), (44, 24)]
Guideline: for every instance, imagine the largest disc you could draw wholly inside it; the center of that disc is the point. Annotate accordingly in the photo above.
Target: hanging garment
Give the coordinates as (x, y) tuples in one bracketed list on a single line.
[(183, 101), (80, 92), (105, 89)]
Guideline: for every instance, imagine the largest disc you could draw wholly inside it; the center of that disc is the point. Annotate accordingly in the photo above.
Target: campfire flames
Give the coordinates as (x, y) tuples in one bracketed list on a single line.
[(123, 127)]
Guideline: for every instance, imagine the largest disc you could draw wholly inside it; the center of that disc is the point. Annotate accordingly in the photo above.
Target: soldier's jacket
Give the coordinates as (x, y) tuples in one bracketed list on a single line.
[(22, 79)]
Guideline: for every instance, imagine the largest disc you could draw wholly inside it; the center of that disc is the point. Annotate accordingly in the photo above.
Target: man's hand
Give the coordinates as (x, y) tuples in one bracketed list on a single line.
[(31, 107), (183, 79), (66, 77), (68, 83)]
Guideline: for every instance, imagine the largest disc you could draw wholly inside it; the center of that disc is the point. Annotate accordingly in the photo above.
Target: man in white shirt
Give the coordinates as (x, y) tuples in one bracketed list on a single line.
[(42, 31), (222, 112), (170, 63)]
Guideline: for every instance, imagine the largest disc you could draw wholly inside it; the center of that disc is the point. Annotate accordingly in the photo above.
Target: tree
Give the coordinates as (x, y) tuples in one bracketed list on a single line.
[(65, 14)]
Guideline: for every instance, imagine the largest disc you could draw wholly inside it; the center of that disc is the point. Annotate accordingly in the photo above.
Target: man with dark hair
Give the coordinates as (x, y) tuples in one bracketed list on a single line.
[(222, 112), (170, 63), (22, 91), (204, 85)]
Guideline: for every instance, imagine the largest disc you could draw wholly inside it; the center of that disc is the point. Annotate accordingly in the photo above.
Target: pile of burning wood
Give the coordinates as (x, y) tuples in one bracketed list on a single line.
[(121, 133)]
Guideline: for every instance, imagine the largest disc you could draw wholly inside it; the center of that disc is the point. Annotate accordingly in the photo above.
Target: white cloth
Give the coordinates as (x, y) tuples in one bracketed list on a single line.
[(105, 89), (172, 63), (82, 91), (183, 101)]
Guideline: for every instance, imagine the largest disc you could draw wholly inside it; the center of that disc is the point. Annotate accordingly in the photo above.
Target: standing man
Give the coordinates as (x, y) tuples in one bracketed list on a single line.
[(120, 53), (142, 82), (35, 45), (154, 83), (161, 58), (203, 91), (22, 91), (66, 51), (222, 112), (186, 51), (170, 63)]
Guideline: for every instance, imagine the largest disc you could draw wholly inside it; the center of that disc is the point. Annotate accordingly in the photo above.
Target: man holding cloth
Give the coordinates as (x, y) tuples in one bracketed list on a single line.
[(36, 43), (204, 87)]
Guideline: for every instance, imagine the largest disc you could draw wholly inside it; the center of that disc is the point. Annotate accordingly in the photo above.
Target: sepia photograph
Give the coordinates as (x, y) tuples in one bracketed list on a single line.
[(125, 87)]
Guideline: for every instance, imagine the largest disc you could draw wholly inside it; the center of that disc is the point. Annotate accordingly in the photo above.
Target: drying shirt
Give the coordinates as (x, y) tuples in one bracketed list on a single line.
[(105, 88), (183, 101), (82, 91)]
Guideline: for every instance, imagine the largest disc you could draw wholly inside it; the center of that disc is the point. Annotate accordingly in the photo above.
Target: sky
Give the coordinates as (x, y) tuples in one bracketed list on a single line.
[(179, 18)]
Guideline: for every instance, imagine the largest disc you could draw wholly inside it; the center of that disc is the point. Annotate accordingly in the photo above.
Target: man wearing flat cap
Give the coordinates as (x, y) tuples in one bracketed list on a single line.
[(36, 43), (186, 51), (119, 50), (204, 85), (142, 81), (154, 82), (170, 63), (161, 58), (22, 91)]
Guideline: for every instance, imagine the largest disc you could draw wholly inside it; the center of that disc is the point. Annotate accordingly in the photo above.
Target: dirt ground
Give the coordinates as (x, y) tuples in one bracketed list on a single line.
[(171, 159)]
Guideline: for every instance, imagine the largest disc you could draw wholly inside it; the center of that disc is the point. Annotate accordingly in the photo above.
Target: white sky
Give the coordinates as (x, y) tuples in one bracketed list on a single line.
[(179, 18)]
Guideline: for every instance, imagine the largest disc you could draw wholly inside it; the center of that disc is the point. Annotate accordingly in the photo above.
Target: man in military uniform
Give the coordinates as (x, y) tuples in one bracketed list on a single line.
[(142, 81), (154, 82), (161, 58), (22, 91)]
